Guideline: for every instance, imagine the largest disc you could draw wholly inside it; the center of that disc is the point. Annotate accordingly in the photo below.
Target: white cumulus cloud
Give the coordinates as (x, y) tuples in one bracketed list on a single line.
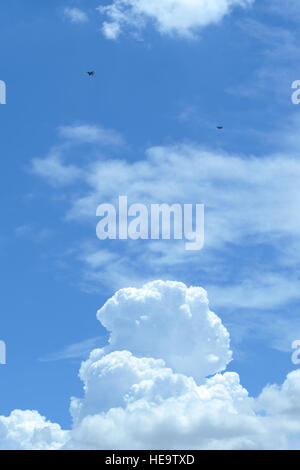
[(172, 17), (27, 430), (136, 403), (167, 320), (150, 391)]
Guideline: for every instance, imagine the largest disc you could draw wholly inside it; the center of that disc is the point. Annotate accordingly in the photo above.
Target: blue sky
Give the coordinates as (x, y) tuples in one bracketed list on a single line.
[(154, 104)]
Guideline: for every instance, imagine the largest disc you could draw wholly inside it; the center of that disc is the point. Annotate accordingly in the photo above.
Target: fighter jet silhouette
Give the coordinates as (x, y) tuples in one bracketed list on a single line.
[(219, 128), (91, 73)]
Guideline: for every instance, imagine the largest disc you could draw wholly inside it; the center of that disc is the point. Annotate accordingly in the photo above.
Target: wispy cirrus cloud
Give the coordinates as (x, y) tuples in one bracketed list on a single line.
[(248, 210), (285, 8), (55, 170), (79, 350), (30, 231), (75, 15), (54, 167), (275, 68), (90, 134)]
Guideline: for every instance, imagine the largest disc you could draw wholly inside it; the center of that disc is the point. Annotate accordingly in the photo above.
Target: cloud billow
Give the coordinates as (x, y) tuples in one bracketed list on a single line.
[(148, 388), (167, 320)]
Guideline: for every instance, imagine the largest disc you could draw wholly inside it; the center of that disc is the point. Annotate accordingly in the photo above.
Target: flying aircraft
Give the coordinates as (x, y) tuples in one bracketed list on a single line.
[(91, 73), (219, 128)]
